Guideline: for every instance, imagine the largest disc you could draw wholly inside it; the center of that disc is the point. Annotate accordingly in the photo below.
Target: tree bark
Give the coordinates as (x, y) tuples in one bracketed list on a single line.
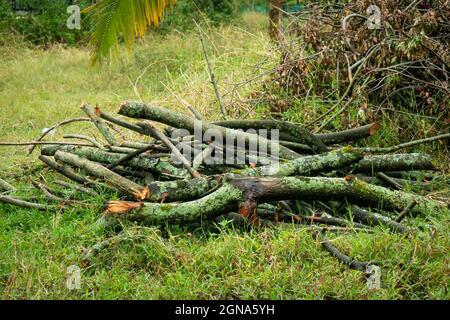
[(233, 193), (127, 186), (275, 19), (140, 110)]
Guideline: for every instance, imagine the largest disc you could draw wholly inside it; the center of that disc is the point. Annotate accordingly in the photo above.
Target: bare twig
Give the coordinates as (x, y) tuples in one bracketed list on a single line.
[(83, 137), (405, 145), (34, 143), (52, 128), (211, 72), (161, 136), (405, 211)]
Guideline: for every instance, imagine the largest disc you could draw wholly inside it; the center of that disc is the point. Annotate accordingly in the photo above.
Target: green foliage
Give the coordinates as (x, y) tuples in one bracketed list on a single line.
[(43, 22), (215, 11)]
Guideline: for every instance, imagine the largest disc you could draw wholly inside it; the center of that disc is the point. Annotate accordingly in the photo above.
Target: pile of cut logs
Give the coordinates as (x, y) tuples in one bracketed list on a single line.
[(186, 173)]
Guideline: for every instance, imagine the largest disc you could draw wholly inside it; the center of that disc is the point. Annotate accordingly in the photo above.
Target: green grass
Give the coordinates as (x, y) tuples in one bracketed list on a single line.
[(39, 88)]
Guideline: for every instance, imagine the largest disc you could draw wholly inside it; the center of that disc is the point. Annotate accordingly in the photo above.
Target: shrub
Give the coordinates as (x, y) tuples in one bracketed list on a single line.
[(43, 22)]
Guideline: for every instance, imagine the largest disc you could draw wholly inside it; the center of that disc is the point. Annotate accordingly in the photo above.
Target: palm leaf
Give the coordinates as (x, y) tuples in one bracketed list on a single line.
[(129, 18)]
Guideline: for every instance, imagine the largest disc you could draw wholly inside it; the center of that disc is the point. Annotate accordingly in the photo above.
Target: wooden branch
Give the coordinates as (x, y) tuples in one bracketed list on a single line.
[(141, 111), (129, 156), (405, 145), (348, 261), (349, 135), (288, 131), (308, 165), (125, 185), (389, 181), (405, 211), (84, 137), (64, 170), (64, 122), (99, 123), (35, 143), (82, 189), (232, 193), (374, 219), (24, 204), (155, 133), (5, 186), (211, 73), (138, 162), (393, 162), (50, 195)]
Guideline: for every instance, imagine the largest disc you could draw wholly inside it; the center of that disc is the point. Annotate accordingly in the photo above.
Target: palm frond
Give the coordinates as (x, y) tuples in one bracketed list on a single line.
[(129, 18)]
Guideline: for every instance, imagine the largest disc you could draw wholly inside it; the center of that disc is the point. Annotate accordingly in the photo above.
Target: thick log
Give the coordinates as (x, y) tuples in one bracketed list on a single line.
[(288, 131), (350, 134), (236, 191), (309, 165), (125, 185), (138, 162), (140, 110), (393, 162)]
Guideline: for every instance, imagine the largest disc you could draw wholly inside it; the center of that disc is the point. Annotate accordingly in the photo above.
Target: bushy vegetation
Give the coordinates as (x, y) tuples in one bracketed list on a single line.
[(43, 22), (346, 51)]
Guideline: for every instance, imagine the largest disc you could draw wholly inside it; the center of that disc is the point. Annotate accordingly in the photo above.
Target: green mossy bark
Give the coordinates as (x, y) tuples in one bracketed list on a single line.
[(140, 110), (181, 190), (155, 165), (223, 200), (233, 192), (393, 162), (309, 164), (129, 187)]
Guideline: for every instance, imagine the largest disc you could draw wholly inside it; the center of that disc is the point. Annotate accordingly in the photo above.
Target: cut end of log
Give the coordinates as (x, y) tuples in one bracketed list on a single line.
[(142, 194), (98, 112), (121, 207), (374, 128)]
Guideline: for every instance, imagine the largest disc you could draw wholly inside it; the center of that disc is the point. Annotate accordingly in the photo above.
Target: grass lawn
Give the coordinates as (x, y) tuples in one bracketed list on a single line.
[(39, 88)]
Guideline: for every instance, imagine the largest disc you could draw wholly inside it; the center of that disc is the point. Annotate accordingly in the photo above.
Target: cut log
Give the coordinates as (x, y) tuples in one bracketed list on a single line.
[(140, 110), (393, 162), (125, 185), (232, 193), (139, 162)]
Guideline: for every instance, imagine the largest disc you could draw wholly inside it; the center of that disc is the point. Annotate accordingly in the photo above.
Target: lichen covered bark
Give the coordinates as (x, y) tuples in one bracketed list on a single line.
[(140, 110), (129, 187), (141, 162), (181, 190), (236, 191), (394, 162), (223, 200), (308, 165)]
